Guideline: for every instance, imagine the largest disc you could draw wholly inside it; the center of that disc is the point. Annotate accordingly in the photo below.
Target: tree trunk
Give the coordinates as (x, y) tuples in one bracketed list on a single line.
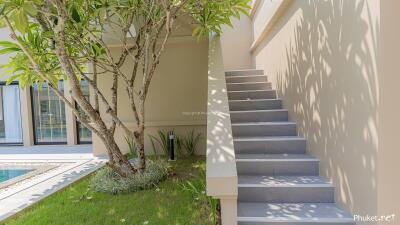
[(139, 136), (118, 161)]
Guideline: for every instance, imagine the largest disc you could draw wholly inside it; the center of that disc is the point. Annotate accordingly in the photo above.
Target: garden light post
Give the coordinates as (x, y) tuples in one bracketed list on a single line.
[(171, 139)]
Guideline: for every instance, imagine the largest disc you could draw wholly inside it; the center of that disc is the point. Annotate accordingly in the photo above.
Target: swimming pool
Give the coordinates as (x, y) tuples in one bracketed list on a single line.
[(7, 174)]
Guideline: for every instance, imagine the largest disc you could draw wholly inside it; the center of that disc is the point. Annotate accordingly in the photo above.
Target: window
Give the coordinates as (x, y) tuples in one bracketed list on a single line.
[(10, 115), (48, 115), (84, 134)]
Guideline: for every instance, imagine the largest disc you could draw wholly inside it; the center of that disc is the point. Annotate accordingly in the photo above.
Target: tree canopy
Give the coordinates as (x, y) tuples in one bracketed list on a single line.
[(58, 39)]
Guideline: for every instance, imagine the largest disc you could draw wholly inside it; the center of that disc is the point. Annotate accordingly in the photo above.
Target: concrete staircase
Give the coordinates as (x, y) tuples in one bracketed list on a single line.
[(279, 182)]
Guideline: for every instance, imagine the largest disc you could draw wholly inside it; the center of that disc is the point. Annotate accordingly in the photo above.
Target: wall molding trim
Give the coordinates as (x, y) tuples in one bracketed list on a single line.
[(166, 123), (178, 39), (254, 7), (174, 123), (281, 9)]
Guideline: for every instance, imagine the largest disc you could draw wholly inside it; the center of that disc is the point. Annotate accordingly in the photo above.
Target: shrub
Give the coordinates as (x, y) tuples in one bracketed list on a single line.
[(132, 147), (189, 142), (106, 180), (162, 140), (185, 144)]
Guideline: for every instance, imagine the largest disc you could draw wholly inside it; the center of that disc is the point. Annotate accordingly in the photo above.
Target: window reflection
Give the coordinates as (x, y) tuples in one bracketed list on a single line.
[(48, 115)]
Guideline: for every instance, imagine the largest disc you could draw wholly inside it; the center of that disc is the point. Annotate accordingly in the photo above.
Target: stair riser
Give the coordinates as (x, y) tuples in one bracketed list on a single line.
[(271, 147), (264, 130), (259, 116), (244, 79), (278, 168), (244, 72), (287, 194), (255, 105), (293, 223), (271, 94), (249, 86)]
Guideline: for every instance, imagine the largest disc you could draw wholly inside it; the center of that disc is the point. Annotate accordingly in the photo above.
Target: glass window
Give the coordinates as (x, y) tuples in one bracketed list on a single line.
[(48, 115), (10, 115), (84, 134)]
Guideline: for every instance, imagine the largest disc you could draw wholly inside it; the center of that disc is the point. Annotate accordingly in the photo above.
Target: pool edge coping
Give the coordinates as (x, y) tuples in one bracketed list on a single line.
[(37, 170)]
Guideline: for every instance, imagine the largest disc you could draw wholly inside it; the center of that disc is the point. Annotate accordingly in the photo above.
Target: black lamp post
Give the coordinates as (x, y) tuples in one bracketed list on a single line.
[(171, 144)]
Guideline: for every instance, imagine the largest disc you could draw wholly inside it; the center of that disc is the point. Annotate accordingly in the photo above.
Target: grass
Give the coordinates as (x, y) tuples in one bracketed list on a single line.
[(166, 204)]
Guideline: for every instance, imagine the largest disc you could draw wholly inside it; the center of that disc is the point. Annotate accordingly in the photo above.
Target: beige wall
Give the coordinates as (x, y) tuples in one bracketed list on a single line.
[(389, 108), (235, 44), (177, 96), (322, 58)]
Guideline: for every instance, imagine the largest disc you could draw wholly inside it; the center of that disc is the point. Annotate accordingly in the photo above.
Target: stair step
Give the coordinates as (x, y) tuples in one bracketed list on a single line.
[(278, 183), (251, 94), (249, 86), (255, 104), (264, 129), (246, 78), (257, 213), (288, 189), (259, 115), (244, 72), (277, 164), (271, 145)]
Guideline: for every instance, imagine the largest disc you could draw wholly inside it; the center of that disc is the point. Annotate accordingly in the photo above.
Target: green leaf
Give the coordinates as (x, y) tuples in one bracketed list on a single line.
[(9, 50), (12, 78), (196, 31), (2, 23), (30, 8), (8, 44), (75, 15), (48, 34), (21, 20)]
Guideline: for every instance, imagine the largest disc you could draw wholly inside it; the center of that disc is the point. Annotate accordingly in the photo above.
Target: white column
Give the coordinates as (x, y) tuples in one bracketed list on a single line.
[(229, 210), (72, 137), (27, 116)]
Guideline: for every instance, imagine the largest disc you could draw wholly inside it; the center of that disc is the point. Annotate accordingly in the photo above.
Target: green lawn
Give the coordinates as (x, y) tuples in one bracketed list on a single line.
[(167, 204)]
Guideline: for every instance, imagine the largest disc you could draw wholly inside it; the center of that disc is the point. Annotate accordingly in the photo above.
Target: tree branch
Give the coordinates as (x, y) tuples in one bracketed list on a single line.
[(37, 69), (109, 110)]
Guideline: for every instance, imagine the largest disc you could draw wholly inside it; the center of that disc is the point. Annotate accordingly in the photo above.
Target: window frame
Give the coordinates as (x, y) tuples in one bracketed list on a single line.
[(77, 123)]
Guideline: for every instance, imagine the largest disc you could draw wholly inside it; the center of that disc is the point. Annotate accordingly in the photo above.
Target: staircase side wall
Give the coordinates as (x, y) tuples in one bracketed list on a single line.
[(389, 108), (322, 57)]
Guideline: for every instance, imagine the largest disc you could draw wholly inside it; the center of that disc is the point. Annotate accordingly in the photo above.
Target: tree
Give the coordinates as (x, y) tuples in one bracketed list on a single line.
[(57, 39)]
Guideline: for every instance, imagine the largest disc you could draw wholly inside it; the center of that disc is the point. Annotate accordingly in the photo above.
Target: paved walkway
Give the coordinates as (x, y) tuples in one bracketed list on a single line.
[(74, 163)]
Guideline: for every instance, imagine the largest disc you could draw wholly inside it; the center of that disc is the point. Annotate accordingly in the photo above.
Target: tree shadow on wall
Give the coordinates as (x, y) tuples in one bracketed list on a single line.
[(330, 84)]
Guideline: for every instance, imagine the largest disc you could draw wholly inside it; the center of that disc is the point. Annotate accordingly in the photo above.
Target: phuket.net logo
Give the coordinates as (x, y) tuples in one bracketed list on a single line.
[(375, 218)]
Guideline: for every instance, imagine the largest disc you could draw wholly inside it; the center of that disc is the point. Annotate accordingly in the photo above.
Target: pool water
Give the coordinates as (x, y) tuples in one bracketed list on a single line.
[(8, 174)]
